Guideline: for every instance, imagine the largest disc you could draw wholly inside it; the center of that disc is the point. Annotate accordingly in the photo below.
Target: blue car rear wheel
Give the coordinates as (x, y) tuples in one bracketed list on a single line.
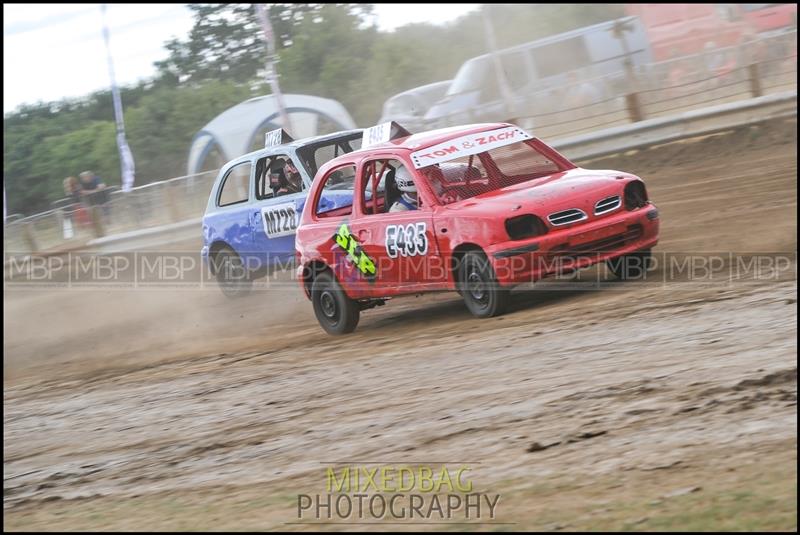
[(232, 276)]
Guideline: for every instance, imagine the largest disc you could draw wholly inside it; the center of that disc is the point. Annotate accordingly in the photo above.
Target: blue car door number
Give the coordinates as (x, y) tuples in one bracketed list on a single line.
[(279, 220)]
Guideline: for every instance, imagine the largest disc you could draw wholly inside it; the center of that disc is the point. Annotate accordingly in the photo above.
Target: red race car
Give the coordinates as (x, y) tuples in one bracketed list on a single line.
[(477, 209)]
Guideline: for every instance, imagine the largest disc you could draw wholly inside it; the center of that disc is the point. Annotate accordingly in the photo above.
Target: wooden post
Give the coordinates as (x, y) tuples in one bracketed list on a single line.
[(97, 221), (755, 81), (634, 107), (29, 237)]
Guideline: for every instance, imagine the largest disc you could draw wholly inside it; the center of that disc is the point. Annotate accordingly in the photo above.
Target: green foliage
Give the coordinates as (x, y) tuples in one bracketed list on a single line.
[(223, 42), (328, 58), (329, 50), (43, 148), (227, 41)]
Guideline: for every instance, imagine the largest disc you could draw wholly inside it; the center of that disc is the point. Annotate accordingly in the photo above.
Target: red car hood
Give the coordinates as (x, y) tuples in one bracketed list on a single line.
[(576, 188)]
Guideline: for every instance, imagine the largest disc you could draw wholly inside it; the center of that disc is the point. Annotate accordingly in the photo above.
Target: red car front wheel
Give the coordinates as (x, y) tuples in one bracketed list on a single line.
[(631, 266), (478, 285)]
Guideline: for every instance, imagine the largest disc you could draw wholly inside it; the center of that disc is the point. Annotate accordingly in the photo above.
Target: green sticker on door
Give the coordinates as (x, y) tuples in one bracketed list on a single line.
[(345, 239)]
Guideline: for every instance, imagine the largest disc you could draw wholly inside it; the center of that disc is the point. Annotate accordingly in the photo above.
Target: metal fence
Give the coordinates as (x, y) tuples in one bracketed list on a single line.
[(73, 224), (756, 68)]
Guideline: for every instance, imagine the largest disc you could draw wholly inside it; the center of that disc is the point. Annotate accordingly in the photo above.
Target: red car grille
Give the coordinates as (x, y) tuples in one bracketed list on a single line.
[(609, 243)]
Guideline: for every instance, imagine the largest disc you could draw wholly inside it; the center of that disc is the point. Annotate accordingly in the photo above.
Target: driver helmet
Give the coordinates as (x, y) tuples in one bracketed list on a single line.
[(404, 181)]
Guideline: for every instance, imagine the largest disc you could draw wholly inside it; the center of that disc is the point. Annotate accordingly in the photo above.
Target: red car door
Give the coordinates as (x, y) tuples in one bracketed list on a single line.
[(401, 244)]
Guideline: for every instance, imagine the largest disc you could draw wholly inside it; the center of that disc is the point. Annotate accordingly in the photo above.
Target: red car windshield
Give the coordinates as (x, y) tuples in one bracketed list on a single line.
[(494, 169)]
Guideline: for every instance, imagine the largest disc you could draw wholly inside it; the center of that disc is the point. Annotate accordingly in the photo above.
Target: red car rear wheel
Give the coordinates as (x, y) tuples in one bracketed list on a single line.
[(336, 313)]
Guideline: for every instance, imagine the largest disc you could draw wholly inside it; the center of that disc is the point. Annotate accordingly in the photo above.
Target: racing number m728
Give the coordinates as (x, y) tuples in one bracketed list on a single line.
[(279, 220)]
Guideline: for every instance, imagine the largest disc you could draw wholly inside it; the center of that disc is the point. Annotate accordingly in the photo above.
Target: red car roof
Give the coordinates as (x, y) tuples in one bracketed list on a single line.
[(434, 137)]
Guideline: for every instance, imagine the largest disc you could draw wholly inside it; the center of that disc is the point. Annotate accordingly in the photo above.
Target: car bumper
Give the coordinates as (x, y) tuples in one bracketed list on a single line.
[(300, 276), (568, 249)]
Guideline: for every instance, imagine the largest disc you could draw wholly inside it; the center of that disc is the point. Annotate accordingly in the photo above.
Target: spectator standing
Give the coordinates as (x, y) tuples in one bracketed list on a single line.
[(74, 192), (72, 189), (94, 191), (91, 187)]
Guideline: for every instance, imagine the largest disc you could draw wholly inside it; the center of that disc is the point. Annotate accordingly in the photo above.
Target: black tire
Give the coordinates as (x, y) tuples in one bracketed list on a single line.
[(232, 276), (336, 313), (631, 266), (478, 285)]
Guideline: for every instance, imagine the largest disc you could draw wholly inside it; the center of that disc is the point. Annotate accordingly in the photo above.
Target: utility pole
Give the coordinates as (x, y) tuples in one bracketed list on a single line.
[(502, 81), (125, 154), (633, 102), (272, 75)]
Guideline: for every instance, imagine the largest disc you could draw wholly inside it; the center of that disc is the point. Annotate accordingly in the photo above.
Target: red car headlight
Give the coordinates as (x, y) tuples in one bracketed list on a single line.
[(635, 195), (525, 226)]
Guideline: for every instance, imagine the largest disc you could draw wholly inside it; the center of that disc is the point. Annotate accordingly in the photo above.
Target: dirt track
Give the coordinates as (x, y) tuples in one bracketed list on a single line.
[(177, 409)]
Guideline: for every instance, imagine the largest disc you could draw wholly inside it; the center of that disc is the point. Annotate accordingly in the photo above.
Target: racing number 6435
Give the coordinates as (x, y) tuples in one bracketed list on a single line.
[(407, 240)]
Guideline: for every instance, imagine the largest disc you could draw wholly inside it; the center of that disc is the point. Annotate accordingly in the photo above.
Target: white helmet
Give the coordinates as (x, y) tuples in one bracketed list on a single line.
[(404, 181)]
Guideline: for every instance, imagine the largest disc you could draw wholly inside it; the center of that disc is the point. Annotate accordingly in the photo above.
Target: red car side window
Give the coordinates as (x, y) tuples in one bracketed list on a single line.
[(379, 190), (336, 195)]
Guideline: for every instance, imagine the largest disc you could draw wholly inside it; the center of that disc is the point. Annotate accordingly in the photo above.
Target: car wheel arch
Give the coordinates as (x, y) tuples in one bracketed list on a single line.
[(311, 270), (458, 253), (213, 250)]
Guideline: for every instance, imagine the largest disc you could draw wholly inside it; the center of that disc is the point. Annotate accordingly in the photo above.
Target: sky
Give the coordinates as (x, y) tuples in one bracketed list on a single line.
[(55, 51)]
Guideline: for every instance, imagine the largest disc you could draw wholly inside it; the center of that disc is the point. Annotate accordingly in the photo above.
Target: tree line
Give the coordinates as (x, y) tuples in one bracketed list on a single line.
[(328, 50)]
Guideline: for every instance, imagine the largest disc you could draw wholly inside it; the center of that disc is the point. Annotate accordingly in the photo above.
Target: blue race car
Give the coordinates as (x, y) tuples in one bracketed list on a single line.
[(256, 201)]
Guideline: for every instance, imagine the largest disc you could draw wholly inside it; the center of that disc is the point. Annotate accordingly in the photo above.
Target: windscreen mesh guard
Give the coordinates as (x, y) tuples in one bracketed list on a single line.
[(468, 176)]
